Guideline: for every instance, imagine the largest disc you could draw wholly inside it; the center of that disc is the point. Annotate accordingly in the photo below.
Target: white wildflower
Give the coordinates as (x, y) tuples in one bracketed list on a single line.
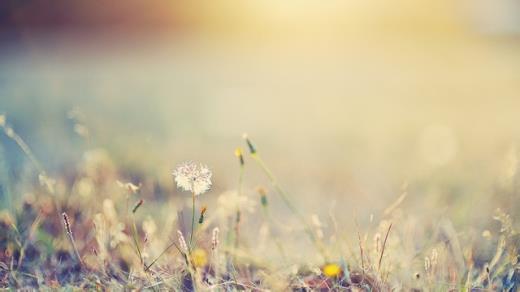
[(193, 177)]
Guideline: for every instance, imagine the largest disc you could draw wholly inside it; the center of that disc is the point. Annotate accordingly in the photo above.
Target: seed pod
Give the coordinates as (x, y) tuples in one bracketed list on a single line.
[(137, 205), (202, 212), (252, 148)]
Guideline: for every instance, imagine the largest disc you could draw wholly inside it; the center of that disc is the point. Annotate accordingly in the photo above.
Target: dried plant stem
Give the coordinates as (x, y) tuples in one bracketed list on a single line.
[(68, 230), (24, 147), (383, 248), (361, 252), (172, 244)]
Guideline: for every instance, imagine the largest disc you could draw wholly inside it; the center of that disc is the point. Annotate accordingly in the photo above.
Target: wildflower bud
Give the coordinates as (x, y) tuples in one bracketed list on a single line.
[(263, 196), (331, 270), (238, 217), (214, 238), (137, 205), (66, 222), (238, 154), (202, 212), (252, 148), (2, 120)]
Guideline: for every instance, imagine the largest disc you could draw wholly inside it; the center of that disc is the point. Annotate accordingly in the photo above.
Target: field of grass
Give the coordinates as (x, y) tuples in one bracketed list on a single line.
[(382, 150), (96, 227)]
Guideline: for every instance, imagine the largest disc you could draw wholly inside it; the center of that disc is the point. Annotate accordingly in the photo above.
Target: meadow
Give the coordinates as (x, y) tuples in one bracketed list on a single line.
[(93, 229), (259, 145)]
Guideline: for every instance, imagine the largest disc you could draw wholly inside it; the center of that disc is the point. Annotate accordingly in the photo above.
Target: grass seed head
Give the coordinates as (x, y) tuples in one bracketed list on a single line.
[(214, 238), (182, 242), (66, 222)]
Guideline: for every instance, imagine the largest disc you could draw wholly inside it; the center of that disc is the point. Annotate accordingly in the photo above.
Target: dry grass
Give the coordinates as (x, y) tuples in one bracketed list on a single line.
[(86, 229)]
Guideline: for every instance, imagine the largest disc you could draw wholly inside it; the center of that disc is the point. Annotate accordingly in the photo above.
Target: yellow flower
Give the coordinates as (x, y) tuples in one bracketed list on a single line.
[(331, 270), (199, 258)]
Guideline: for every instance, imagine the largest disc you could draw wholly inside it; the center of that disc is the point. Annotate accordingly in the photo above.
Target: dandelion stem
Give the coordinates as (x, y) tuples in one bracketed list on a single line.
[(192, 220)]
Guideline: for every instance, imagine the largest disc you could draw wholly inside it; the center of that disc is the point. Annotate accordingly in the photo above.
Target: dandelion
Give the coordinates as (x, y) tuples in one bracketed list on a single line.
[(193, 177), (331, 270)]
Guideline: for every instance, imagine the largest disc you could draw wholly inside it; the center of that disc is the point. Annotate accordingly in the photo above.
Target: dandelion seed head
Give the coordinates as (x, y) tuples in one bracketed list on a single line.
[(193, 177)]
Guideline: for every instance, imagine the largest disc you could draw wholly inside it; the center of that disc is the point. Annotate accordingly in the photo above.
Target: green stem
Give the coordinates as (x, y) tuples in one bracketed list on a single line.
[(285, 198), (238, 214), (136, 242), (192, 220)]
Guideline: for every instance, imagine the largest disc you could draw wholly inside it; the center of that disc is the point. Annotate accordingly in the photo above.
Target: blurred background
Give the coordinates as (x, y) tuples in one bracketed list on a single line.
[(346, 100)]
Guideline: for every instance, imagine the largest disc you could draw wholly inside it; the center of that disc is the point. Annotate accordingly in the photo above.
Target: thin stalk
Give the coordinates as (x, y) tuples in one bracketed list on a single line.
[(277, 242), (383, 248), (285, 198), (136, 242), (73, 243), (162, 253), (238, 213), (192, 219)]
